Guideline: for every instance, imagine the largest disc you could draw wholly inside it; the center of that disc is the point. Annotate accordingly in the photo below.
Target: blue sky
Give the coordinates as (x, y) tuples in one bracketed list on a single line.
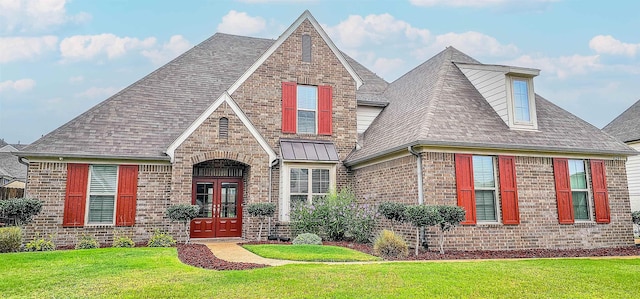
[(59, 58)]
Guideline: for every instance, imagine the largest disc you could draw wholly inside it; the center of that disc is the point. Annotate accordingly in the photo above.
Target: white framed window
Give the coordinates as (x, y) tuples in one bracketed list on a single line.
[(101, 201), (307, 110), (521, 103), (579, 190), (302, 182), (484, 181)]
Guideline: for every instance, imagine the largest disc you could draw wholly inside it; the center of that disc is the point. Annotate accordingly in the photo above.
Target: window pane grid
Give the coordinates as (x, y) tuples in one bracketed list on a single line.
[(307, 108), (304, 188), (102, 193), (579, 190), (485, 188), (521, 100)]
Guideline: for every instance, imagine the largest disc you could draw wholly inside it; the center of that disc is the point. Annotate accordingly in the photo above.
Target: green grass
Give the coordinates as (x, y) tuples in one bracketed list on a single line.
[(310, 253), (157, 273)]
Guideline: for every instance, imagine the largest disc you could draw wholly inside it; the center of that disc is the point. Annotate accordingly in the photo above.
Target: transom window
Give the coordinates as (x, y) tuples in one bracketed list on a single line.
[(484, 180), (102, 194), (579, 189), (307, 109), (521, 100)]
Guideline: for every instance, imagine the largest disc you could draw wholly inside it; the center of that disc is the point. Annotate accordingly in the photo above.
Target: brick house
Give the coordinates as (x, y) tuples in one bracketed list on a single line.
[(238, 120)]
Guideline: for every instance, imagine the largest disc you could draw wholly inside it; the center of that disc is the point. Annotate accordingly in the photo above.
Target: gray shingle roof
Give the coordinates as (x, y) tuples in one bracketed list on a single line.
[(373, 88), (435, 104), (626, 126), (11, 168), (142, 120)]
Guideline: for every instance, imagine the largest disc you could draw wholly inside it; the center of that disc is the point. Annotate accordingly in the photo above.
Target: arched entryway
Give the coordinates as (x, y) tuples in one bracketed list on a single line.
[(218, 189)]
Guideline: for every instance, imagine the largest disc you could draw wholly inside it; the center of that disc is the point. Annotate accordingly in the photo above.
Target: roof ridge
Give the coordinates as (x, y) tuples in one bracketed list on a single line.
[(621, 114), (435, 95)]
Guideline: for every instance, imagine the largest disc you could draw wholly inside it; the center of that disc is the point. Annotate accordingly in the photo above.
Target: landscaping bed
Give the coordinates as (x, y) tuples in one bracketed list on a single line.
[(491, 254)]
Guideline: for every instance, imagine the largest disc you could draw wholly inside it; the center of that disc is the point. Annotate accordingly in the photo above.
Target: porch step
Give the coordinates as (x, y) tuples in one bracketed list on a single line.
[(217, 240)]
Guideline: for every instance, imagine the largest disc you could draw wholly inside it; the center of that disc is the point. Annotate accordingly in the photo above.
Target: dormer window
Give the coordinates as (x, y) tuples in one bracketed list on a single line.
[(521, 103)]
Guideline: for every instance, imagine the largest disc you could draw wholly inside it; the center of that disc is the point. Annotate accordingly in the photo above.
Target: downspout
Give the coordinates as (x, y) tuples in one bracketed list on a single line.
[(273, 163), (26, 180), (423, 239)]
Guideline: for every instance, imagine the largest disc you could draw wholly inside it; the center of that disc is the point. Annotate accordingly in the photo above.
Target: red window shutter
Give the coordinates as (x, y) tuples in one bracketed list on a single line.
[(508, 190), (289, 107), (563, 191), (600, 194), (465, 188), (76, 196), (324, 110), (127, 191)]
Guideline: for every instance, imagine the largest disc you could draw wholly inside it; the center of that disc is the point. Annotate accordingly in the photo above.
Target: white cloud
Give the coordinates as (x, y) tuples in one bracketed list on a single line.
[(241, 23), (21, 48), (607, 44), (471, 42), (83, 47), (27, 15), (561, 67), (475, 3), (377, 29), (17, 85), (97, 92), (387, 67), (76, 79), (176, 46)]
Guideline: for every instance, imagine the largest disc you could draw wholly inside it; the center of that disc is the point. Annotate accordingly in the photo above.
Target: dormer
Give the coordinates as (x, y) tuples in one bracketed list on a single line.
[(509, 91)]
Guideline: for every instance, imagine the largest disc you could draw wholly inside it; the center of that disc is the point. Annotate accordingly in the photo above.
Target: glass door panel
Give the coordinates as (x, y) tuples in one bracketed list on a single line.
[(228, 200), (204, 199)]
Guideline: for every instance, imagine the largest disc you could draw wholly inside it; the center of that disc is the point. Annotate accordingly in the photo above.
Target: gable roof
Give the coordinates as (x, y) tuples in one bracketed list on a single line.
[(11, 168), (435, 104), (626, 126), (161, 107)]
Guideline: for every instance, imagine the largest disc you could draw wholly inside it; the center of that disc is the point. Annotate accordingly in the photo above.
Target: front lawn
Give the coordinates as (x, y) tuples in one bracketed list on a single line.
[(157, 273), (310, 253)]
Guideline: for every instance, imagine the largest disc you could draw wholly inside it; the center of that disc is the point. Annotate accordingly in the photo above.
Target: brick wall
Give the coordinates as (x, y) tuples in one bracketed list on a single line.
[(538, 226), (47, 182)]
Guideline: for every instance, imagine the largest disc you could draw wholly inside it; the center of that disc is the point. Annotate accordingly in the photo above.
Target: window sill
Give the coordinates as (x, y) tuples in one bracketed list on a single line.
[(489, 224)]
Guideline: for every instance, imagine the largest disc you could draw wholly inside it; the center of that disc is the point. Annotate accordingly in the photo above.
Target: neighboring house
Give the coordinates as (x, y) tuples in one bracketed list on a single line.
[(239, 120), (13, 174), (626, 127)]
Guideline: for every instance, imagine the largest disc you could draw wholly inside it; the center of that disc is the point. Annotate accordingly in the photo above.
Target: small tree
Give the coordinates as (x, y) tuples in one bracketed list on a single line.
[(394, 211), (262, 210), (421, 216), (20, 211), (450, 217), (183, 213), (635, 216)]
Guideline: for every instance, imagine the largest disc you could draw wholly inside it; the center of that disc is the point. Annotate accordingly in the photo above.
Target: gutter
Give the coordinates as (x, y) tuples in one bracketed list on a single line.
[(511, 147), (90, 156), (26, 180), (423, 239)]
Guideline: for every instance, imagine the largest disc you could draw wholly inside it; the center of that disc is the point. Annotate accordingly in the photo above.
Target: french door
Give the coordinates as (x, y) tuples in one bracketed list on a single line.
[(220, 202)]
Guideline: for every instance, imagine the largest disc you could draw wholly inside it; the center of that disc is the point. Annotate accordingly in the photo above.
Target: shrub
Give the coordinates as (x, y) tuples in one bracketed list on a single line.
[(307, 238), (87, 242), (10, 239), (183, 213), (20, 211), (393, 211), (334, 217), (450, 217), (389, 245), (160, 239), (362, 224), (421, 216), (123, 241), (40, 244), (261, 210), (635, 216)]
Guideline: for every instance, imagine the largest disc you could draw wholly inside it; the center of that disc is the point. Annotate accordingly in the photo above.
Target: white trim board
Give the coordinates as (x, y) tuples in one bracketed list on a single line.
[(306, 15), (225, 97)]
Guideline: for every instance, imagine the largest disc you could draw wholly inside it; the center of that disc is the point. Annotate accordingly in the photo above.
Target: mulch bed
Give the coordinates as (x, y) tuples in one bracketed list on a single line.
[(199, 255), (491, 254)]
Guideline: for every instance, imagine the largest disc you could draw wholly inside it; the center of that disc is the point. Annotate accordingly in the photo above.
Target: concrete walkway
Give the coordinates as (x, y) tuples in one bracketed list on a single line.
[(232, 252)]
